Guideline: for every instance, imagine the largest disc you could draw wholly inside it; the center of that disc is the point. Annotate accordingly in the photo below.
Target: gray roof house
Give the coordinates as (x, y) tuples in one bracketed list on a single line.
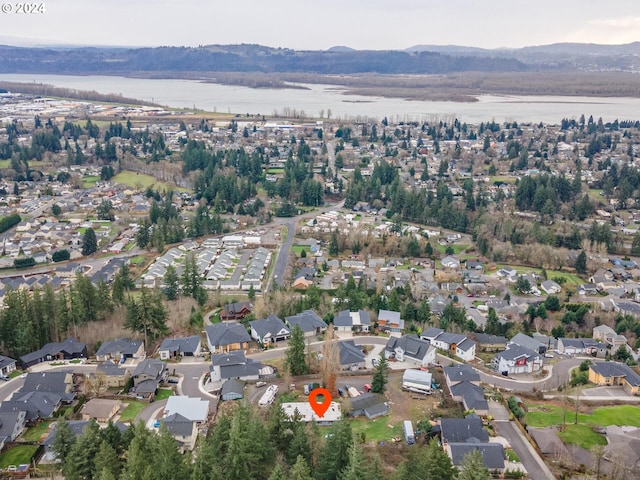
[(183, 430), (180, 347), (370, 405), (36, 404), (309, 322), (7, 365), (120, 348), (11, 425), (492, 454), (411, 349), (347, 321), (270, 329), (232, 389), (227, 336), (58, 382), (148, 375), (225, 366), (528, 342), (66, 350), (351, 356), (461, 430)]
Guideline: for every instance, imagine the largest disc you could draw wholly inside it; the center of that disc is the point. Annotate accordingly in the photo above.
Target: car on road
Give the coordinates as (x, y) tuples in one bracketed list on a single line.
[(24, 375), (260, 384), (4, 377)]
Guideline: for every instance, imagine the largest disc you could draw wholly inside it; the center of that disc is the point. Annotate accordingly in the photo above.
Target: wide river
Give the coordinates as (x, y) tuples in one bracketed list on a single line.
[(324, 98)]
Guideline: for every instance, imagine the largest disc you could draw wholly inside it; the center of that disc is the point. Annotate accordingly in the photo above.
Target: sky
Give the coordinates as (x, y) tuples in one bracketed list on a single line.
[(318, 25)]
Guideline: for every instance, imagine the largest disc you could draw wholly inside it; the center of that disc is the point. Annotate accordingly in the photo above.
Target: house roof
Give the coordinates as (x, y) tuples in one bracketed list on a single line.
[(36, 404), (233, 386), (151, 367), (191, 408), (232, 309), (526, 341), (51, 382), (366, 400), (389, 316), (249, 369), (181, 344), (6, 361), (492, 453), (270, 325), (100, 407), (76, 427), (616, 369), (472, 395), (227, 333), (461, 430), (412, 346), (486, 339), (236, 357), (8, 421), (349, 353), (461, 373), (431, 332), (178, 425), (110, 369), (147, 386), (515, 351), (124, 346), (307, 321), (69, 346)]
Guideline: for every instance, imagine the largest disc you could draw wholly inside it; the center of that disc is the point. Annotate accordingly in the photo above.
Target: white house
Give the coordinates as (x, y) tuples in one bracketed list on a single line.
[(516, 359), (450, 262), (411, 349), (455, 343), (550, 287)]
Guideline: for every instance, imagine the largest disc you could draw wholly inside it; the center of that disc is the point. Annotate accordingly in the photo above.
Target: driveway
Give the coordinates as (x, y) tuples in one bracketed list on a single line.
[(535, 466)]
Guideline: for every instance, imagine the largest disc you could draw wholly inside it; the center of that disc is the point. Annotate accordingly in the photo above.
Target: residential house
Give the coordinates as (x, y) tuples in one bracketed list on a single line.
[(351, 356), (268, 330), (301, 283), (120, 348), (528, 342), (11, 426), (454, 343), (550, 287), (450, 262), (77, 428), (416, 381), (236, 311), (614, 373), (490, 343), (370, 405), (581, 346), (464, 384), (58, 382), (474, 265), (587, 289), (147, 377), (308, 321), (232, 389), (411, 349), (66, 350), (226, 337), (100, 409), (183, 430), (551, 343), (225, 366), (390, 321), (37, 405), (609, 337), (194, 409), (7, 365), (180, 347), (508, 273), (460, 436), (516, 359), (112, 375), (347, 321)]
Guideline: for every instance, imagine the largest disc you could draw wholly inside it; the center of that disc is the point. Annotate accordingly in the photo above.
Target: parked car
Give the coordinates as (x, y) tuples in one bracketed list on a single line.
[(367, 387), (4, 377), (260, 384), (341, 392), (375, 362), (306, 389)]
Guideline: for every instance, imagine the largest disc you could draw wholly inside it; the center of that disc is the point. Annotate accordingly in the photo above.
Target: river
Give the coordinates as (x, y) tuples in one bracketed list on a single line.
[(325, 98)]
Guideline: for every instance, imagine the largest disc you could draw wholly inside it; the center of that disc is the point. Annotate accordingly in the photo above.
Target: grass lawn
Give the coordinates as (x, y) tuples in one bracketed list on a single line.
[(137, 260), (511, 455), (502, 178), (37, 433), (456, 248), (274, 171), (17, 455), (131, 179), (594, 194), (571, 278), (89, 182), (129, 414), (547, 415), (298, 249), (376, 429), (582, 436), (163, 394), (4, 163)]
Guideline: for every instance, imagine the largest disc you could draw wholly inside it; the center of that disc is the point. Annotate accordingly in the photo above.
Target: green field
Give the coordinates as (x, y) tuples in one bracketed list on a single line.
[(547, 415), (456, 248), (570, 278), (376, 429), (17, 455), (582, 436), (275, 171), (4, 163), (129, 414), (297, 249), (502, 178), (89, 182), (163, 394), (133, 180)]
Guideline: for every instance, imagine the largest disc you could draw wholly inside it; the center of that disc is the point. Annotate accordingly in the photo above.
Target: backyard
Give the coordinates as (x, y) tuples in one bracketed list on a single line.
[(131, 411), (36, 433), (17, 455), (582, 433)]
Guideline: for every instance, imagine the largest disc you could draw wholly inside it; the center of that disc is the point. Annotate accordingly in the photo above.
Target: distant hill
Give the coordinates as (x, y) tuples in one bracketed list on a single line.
[(419, 59)]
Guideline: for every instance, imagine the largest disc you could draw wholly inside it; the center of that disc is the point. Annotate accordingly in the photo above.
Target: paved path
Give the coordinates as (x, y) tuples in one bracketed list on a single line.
[(535, 466)]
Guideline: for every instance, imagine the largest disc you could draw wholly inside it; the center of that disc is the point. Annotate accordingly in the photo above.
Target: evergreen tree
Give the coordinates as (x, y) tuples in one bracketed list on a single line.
[(146, 314), (333, 246), (278, 473), (107, 460), (493, 325), (380, 375), (295, 360), (80, 464), (171, 283), (473, 468), (355, 469), (300, 471), (334, 457), (89, 242), (63, 440), (581, 262)]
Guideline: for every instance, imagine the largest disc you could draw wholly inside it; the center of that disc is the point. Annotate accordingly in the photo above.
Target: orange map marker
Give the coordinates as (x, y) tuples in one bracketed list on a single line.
[(320, 408)]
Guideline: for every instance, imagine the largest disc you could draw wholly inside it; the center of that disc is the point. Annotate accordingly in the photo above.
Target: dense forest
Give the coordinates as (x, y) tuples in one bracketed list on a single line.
[(246, 445)]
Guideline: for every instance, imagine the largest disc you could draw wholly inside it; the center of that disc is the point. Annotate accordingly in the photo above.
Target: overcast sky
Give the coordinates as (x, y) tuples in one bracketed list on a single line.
[(321, 24)]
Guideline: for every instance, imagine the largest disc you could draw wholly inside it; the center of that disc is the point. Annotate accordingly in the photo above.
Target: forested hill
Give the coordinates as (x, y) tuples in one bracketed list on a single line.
[(242, 58)]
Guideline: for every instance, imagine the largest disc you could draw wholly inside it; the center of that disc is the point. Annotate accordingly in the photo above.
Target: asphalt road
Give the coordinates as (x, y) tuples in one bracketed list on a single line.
[(283, 253)]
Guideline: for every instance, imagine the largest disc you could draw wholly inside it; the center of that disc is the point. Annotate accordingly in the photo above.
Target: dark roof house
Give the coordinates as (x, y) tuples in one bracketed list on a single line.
[(66, 350)]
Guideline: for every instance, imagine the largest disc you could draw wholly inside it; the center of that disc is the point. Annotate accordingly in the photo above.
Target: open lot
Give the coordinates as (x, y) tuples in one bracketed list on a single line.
[(133, 179)]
